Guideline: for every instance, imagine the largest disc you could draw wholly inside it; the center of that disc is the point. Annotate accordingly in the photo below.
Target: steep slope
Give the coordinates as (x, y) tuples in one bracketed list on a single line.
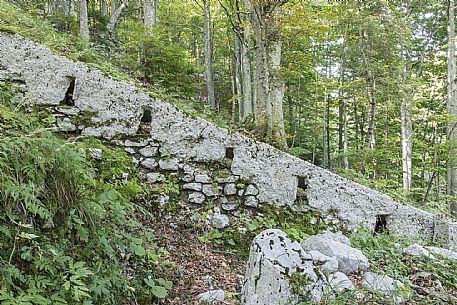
[(211, 163)]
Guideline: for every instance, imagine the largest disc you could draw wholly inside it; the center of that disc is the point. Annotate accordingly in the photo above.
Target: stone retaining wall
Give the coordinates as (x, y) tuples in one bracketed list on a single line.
[(210, 163)]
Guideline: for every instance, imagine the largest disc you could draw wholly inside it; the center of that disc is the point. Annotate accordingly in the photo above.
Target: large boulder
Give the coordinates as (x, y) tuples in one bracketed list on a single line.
[(273, 259), (350, 260)]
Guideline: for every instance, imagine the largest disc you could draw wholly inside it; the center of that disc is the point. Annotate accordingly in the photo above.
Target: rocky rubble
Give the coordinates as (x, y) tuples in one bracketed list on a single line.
[(281, 271)]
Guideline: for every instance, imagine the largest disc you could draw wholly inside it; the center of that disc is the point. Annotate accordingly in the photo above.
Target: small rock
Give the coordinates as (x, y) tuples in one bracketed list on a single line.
[(329, 264), (130, 150), (219, 221), (149, 163), (240, 192), (208, 190), (202, 178), (66, 125), (212, 296), (163, 199), (313, 220), (229, 206), (149, 151), (447, 254), (196, 197), (187, 178), (229, 179), (171, 164), (336, 237), (153, 177), (251, 201), (230, 189), (251, 190), (68, 111), (350, 260), (142, 143), (417, 250), (96, 153), (339, 282), (381, 283), (192, 186)]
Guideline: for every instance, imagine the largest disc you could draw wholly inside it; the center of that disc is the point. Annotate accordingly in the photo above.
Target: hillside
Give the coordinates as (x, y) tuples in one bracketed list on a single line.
[(112, 195)]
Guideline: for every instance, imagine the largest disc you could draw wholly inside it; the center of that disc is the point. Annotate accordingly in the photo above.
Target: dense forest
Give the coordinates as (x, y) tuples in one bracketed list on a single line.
[(364, 88)]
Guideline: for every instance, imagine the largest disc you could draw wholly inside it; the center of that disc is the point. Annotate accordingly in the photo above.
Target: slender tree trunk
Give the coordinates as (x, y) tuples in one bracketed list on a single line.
[(406, 142), (71, 8), (83, 20), (116, 15), (452, 110), (113, 7), (237, 68), (209, 73), (104, 8), (248, 107), (150, 13), (261, 72)]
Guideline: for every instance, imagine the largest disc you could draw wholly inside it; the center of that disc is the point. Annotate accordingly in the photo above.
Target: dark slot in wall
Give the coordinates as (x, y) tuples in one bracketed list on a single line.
[(68, 99)]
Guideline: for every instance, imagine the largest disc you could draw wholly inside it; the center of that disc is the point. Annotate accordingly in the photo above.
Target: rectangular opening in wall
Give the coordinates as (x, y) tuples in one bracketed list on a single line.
[(381, 223), (68, 98), (146, 117), (229, 153), (302, 187)]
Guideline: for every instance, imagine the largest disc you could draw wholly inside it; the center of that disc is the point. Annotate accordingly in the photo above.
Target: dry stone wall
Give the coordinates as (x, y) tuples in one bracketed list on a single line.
[(210, 163)]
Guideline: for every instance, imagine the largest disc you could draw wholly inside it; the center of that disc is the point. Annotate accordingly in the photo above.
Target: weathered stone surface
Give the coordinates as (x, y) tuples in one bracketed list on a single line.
[(251, 201), (130, 150), (273, 257), (202, 178), (329, 264), (117, 109), (451, 255), (196, 197), (192, 186), (417, 250), (149, 151), (383, 284), (65, 125), (336, 237), (251, 190), (154, 177), (68, 111), (169, 164), (212, 296), (338, 282), (230, 189), (219, 221), (95, 152), (208, 190), (350, 260), (149, 163)]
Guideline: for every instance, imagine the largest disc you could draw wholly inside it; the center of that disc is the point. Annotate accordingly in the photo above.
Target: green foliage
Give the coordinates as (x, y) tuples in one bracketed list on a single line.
[(67, 236), (238, 237), (385, 253)]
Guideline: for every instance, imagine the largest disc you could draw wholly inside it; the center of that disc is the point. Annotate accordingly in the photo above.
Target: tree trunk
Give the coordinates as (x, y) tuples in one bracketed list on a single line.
[(248, 109), (269, 85), (116, 15), (113, 7), (209, 73), (150, 13), (237, 67), (104, 8), (452, 110), (261, 73), (83, 20)]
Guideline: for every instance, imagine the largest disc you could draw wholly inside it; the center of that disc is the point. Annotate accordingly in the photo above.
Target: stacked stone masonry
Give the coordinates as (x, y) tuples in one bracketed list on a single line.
[(211, 163)]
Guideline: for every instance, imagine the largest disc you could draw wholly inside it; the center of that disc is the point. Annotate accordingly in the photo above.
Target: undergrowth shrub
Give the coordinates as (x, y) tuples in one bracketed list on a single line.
[(68, 231)]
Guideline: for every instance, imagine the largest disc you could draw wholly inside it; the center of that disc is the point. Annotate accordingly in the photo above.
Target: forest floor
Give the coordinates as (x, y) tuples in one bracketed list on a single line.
[(199, 265)]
